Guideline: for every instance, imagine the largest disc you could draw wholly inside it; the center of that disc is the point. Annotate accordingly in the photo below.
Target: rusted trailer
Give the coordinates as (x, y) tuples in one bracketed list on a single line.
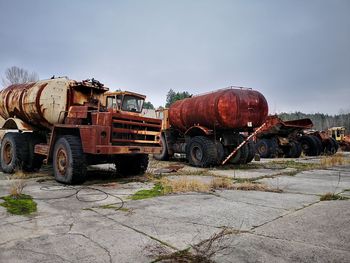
[(290, 138), (73, 124), (207, 128)]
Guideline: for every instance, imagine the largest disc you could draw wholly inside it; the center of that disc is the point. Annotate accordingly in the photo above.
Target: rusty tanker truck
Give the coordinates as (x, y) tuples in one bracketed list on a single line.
[(73, 124), (208, 128)]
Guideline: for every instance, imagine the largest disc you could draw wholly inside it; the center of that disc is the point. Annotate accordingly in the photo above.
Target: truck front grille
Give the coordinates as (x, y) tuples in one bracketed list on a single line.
[(135, 130)]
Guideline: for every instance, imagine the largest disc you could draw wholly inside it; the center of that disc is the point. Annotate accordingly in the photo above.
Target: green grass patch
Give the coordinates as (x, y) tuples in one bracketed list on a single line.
[(157, 190), (332, 196), (20, 205)]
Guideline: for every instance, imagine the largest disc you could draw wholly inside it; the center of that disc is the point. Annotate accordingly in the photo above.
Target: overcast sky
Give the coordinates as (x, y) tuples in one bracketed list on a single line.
[(296, 52)]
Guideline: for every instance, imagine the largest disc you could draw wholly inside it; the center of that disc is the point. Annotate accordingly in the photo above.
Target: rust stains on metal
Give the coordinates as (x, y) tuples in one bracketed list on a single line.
[(224, 109), (275, 125)]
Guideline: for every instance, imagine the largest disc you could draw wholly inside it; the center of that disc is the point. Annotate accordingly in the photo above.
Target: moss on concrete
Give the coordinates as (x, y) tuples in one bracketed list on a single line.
[(19, 205), (157, 190)]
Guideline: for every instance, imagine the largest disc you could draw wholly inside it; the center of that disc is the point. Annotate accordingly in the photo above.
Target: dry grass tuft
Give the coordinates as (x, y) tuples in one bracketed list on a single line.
[(337, 159), (185, 184), (222, 183), (203, 252), (188, 184), (16, 188), (19, 175)]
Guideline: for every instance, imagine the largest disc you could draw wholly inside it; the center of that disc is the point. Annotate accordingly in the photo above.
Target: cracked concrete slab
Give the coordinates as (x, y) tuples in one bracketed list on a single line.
[(323, 224), (311, 182), (272, 227), (248, 247)]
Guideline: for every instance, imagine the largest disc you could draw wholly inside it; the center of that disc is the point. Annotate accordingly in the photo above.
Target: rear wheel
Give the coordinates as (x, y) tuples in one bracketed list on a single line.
[(330, 146), (294, 150), (308, 145), (201, 152), (69, 161), (131, 164), (14, 152), (266, 148), (336, 145), (251, 150), (319, 144)]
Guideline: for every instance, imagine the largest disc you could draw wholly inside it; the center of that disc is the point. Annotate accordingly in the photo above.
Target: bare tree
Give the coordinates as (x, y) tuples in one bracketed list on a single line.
[(16, 75)]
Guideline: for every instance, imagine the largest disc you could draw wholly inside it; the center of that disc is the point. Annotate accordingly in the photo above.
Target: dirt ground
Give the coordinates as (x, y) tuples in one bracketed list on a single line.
[(267, 211)]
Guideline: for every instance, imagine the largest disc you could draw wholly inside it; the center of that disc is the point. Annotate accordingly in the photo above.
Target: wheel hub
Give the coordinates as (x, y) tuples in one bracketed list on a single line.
[(197, 153), (62, 162), (7, 153)]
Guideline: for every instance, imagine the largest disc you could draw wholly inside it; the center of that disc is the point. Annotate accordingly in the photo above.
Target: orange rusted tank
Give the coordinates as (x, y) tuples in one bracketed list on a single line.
[(231, 108), (43, 103)]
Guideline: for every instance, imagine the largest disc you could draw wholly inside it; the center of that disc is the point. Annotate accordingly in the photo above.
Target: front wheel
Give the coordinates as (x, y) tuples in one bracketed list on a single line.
[(201, 152), (69, 163)]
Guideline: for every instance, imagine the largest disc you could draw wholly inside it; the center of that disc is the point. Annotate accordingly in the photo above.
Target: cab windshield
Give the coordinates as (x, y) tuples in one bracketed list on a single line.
[(133, 104)]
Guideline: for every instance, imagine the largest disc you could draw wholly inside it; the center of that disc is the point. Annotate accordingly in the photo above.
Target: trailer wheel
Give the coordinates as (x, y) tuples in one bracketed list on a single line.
[(318, 141), (251, 151), (131, 165), (294, 150), (69, 163), (308, 145), (266, 148), (14, 152), (336, 145), (201, 152), (163, 156), (34, 161), (330, 147)]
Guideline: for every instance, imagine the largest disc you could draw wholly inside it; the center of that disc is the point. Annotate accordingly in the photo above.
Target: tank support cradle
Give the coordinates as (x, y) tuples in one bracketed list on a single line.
[(242, 144)]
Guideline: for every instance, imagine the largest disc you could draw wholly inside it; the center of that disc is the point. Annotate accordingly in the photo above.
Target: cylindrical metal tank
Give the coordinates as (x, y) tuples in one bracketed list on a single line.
[(40, 103), (232, 108)]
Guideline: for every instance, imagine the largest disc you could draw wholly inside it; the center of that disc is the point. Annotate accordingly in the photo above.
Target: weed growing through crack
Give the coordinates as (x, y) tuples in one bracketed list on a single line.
[(332, 196), (203, 252), (16, 188)]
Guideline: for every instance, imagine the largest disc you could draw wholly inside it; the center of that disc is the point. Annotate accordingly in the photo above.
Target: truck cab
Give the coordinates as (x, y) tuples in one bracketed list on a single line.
[(125, 101), (337, 133)]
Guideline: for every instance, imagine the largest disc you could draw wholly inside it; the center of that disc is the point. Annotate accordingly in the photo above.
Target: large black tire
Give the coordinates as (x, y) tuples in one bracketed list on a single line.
[(241, 156), (163, 156), (69, 161), (330, 146), (336, 145), (201, 152), (14, 152), (266, 148), (34, 161), (251, 151), (309, 145), (319, 144), (294, 150), (131, 164)]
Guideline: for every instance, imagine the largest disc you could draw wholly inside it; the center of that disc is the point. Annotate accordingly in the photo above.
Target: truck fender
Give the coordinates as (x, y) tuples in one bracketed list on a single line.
[(16, 124), (198, 131)]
